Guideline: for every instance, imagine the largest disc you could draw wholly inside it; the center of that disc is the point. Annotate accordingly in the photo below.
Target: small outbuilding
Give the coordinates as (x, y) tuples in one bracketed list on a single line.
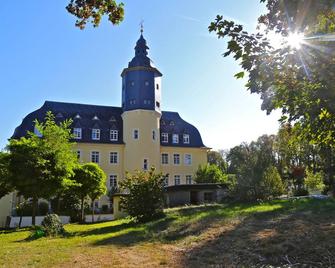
[(193, 194)]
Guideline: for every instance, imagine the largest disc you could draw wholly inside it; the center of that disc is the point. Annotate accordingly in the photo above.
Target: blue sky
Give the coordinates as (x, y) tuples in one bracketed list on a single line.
[(43, 56)]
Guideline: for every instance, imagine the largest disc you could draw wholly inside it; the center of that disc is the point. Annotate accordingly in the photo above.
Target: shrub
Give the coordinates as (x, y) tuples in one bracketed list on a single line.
[(43, 208), (145, 200), (52, 225), (210, 174), (272, 183), (314, 181)]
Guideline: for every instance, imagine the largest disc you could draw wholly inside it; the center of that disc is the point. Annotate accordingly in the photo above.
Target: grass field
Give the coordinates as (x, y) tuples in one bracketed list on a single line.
[(285, 232)]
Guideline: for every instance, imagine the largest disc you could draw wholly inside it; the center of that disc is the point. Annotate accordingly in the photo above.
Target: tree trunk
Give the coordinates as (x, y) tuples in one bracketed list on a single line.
[(82, 210), (92, 211), (34, 210)]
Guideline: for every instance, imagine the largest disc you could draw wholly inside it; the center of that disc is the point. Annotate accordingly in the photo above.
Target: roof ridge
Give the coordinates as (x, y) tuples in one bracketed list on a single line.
[(80, 104)]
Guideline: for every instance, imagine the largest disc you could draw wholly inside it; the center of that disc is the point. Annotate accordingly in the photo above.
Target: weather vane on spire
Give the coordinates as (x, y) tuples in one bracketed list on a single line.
[(141, 24)]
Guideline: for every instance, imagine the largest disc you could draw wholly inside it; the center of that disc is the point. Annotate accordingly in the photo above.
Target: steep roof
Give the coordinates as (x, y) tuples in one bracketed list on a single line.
[(106, 118)]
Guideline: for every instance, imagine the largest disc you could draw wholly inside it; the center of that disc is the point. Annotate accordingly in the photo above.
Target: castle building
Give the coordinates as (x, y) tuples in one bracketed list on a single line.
[(135, 136)]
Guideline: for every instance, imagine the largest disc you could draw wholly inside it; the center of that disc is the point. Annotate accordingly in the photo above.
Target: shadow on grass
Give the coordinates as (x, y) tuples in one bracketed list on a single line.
[(189, 221), (299, 234)]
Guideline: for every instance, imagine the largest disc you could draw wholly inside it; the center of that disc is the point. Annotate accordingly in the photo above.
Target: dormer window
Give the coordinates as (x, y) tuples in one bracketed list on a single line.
[(132, 83), (59, 115), (37, 132), (95, 134), (114, 135), (165, 137), (112, 119), (171, 123), (175, 138), (146, 83), (95, 118), (77, 133), (186, 139), (147, 102), (162, 122), (132, 102), (77, 117)]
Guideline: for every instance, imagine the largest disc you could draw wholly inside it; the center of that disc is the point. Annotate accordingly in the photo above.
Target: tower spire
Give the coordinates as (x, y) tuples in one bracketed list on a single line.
[(142, 26)]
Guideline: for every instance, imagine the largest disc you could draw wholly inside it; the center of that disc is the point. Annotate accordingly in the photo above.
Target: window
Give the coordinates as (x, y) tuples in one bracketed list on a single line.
[(186, 138), (175, 138), (177, 179), (95, 134), (112, 181), (145, 164), (166, 180), (37, 132), (157, 86), (154, 135), (188, 159), (78, 154), (135, 134), (113, 157), (132, 83), (158, 104), (132, 102), (114, 135), (176, 159), (188, 179), (165, 137), (147, 102), (146, 83), (165, 159), (95, 157), (77, 133), (171, 123)]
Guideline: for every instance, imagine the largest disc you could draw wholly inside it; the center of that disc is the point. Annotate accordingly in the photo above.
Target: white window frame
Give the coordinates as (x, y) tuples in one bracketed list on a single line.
[(115, 182), (177, 178), (174, 159), (187, 161), (189, 179), (165, 137), (114, 135), (186, 139), (175, 138), (167, 159), (96, 155), (138, 134), (96, 134), (112, 156), (77, 133)]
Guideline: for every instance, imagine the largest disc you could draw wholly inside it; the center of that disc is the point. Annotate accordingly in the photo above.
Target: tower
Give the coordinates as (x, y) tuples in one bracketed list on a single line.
[(141, 105)]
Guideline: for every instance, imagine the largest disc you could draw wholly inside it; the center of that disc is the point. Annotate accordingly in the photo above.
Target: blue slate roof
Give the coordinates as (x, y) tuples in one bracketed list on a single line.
[(105, 118)]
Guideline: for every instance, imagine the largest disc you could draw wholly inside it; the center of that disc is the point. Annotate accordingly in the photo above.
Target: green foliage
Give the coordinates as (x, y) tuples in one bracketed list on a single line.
[(300, 192), (216, 158), (254, 166), (300, 83), (272, 183), (90, 183), (5, 181), (210, 173), (86, 10), (40, 167), (314, 181), (52, 225), (145, 200)]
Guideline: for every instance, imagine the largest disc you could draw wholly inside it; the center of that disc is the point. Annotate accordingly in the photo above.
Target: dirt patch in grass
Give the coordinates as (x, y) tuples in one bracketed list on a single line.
[(298, 239)]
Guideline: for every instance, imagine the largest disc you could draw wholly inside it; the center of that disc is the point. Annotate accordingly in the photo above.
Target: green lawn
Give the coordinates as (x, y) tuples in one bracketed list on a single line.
[(278, 233)]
